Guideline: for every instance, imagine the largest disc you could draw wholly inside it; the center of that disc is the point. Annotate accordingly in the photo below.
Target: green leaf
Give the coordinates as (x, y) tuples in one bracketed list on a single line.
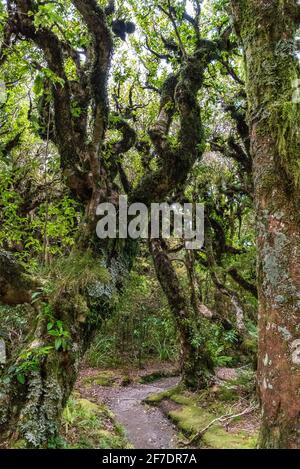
[(35, 296), (21, 378), (58, 343)]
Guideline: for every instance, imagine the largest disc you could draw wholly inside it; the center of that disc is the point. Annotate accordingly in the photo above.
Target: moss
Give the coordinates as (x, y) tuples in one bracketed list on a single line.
[(88, 407), (111, 439), (105, 378), (151, 378), (283, 119), (272, 78), (227, 393), (19, 444), (249, 345), (182, 399), (219, 439), (190, 418), (156, 399), (89, 425), (77, 272)]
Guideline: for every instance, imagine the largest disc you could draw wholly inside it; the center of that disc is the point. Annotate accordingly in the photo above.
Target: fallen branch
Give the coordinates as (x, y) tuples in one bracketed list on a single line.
[(222, 419)]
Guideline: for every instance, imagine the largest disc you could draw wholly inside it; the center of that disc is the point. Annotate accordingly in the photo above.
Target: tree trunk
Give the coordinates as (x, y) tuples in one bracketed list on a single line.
[(196, 364), (267, 31), (38, 379)]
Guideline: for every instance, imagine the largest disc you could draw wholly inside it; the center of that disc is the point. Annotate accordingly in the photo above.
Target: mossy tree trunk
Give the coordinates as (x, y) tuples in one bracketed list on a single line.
[(180, 93), (196, 364), (40, 374), (267, 31)]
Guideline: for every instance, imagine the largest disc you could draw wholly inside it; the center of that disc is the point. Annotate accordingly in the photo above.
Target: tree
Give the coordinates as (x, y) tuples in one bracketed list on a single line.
[(38, 379), (72, 111), (267, 31)]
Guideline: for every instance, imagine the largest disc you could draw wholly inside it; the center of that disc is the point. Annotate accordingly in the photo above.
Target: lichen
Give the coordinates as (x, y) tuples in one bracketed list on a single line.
[(39, 417), (295, 347)]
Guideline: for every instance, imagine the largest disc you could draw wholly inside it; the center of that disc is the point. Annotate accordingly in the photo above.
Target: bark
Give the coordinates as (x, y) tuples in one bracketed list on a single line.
[(196, 364), (234, 274), (267, 31)]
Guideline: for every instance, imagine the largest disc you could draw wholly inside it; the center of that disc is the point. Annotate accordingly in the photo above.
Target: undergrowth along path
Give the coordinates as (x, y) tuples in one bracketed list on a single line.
[(145, 427)]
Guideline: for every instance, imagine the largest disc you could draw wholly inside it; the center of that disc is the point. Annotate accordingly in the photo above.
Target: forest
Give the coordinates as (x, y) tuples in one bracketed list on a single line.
[(132, 340)]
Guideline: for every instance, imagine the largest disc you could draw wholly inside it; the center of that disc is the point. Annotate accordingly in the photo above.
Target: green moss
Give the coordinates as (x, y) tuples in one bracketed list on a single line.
[(155, 399), (227, 393), (191, 418), (88, 407), (89, 425), (105, 378), (272, 79), (78, 271), (182, 399), (219, 439), (19, 444), (284, 116)]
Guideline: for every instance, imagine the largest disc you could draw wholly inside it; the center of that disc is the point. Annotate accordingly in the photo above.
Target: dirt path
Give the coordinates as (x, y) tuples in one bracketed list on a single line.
[(146, 427)]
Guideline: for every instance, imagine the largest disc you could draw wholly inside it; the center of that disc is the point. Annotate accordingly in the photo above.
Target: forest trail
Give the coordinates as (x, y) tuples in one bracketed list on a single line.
[(145, 427)]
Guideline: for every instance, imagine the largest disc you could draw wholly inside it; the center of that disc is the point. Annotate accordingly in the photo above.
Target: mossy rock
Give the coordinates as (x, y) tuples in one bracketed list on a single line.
[(19, 444), (182, 399), (154, 399), (190, 419)]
